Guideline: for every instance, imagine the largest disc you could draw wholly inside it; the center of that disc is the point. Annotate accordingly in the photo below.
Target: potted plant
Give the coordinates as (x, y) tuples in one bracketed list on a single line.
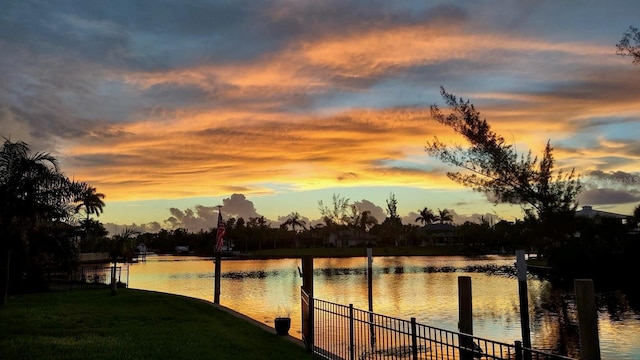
[(282, 322)]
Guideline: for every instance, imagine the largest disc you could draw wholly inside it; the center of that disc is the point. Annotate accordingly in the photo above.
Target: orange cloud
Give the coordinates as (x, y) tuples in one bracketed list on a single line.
[(248, 138)]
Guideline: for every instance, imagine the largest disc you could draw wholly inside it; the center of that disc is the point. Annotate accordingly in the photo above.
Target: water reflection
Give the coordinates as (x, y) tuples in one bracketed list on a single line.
[(404, 287)]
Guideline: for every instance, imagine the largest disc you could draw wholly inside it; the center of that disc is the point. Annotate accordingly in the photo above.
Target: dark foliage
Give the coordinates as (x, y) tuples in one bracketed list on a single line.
[(629, 45)]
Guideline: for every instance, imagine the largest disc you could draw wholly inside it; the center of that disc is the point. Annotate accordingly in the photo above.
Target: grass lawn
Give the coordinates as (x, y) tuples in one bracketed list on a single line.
[(135, 324)]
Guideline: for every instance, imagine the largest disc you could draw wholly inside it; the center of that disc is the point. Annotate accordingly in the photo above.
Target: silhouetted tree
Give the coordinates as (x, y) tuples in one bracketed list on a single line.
[(93, 233), (629, 45), (34, 194), (444, 216), (361, 221), (426, 216), (294, 220), (335, 216), (636, 216), (121, 248), (366, 221), (90, 200), (337, 213), (496, 169), (392, 224)]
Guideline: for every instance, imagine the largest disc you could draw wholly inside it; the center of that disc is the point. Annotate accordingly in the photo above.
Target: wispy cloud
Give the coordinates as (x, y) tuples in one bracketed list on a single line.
[(144, 101)]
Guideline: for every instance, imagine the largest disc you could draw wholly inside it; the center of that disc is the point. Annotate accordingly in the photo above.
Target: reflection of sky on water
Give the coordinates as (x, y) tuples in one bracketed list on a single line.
[(422, 287)]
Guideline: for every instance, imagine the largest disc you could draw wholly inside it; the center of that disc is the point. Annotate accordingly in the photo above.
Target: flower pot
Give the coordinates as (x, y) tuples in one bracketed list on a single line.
[(282, 325)]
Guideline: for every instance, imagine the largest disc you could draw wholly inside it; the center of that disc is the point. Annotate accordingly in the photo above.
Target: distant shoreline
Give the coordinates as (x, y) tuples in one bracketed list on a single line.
[(346, 252)]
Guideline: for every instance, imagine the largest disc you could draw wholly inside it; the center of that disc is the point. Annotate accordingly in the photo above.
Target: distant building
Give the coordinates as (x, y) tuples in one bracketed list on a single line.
[(588, 212), (438, 234), (142, 249), (181, 249)]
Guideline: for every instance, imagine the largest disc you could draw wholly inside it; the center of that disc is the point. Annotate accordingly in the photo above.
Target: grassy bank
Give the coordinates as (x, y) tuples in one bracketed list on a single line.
[(136, 324)]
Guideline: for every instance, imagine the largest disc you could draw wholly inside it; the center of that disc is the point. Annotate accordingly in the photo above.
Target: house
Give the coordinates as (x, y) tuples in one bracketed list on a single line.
[(181, 249), (588, 212), (438, 234), (350, 237)]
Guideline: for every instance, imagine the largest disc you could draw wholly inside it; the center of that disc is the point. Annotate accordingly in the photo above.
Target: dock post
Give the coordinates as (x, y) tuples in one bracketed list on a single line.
[(465, 317), (587, 319), (521, 266), (217, 278)]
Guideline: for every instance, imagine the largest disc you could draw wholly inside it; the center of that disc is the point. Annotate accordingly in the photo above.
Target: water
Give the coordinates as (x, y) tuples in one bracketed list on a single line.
[(422, 287)]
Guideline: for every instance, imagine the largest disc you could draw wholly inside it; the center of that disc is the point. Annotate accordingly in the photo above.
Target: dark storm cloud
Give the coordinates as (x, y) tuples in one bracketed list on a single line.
[(335, 16), (155, 35), (175, 96), (376, 211), (238, 206), (606, 196), (617, 178), (149, 35), (200, 218), (59, 97), (103, 159)]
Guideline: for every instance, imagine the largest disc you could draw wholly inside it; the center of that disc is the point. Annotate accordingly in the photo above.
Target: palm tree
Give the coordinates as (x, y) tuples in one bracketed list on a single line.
[(121, 247), (90, 200), (426, 216), (367, 221), (294, 220), (444, 216), (363, 221), (33, 192), (636, 216)]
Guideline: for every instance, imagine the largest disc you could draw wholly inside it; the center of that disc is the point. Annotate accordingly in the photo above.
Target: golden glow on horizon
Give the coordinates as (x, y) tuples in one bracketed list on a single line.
[(245, 134)]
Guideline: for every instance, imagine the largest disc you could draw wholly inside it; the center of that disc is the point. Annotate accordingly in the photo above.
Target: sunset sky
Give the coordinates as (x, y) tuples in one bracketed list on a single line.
[(171, 108)]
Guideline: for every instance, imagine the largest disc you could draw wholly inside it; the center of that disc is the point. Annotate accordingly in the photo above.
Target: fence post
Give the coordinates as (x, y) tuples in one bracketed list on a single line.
[(217, 277), (587, 319), (370, 295), (465, 317), (307, 274), (352, 345), (307, 288), (414, 339), (518, 350), (523, 294), (312, 324), (521, 266)]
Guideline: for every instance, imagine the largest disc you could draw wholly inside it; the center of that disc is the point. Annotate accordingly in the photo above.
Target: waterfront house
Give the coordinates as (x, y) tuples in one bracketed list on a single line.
[(438, 234), (598, 215)]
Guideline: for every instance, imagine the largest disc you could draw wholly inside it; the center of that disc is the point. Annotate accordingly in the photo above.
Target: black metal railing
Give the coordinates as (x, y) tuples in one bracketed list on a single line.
[(344, 332), (87, 277)]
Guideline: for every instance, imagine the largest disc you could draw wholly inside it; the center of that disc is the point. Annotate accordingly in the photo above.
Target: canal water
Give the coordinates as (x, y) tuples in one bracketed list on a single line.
[(404, 287)]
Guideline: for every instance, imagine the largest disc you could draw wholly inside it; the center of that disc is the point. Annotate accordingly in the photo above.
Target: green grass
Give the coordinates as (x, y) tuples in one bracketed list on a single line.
[(135, 324)]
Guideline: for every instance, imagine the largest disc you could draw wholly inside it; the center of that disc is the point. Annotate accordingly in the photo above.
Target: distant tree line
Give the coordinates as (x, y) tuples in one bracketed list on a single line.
[(46, 222), (45, 217)]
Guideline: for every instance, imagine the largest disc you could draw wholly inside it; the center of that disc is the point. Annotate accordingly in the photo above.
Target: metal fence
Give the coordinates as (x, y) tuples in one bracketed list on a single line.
[(344, 332), (87, 277)]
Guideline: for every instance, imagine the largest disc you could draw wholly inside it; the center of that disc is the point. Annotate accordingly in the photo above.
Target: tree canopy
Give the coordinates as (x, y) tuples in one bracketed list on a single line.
[(629, 45), (426, 216), (495, 168), (36, 200)]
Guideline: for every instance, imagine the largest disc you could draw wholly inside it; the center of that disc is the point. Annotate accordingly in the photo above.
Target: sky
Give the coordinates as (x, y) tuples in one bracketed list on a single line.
[(171, 108)]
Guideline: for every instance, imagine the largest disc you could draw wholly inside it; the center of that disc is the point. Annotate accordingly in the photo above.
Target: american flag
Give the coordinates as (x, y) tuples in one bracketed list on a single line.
[(220, 233)]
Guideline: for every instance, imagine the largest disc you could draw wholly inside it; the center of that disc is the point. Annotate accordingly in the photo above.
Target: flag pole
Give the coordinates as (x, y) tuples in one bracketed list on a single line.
[(217, 260)]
